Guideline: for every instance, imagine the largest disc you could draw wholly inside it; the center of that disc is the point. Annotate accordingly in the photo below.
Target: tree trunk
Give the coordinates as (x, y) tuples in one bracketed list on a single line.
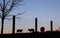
[(2, 23), (2, 20)]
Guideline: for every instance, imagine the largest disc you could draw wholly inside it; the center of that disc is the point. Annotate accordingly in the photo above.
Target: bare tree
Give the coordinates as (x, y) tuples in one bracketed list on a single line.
[(5, 8)]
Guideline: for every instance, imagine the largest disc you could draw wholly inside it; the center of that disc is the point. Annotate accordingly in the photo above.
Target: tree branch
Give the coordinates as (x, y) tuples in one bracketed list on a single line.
[(14, 2), (0, 7), (8, 11), (7, 3), (0, 16)]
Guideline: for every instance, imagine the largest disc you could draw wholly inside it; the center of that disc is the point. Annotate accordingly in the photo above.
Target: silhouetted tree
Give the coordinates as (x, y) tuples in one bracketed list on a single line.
[(5, 8)]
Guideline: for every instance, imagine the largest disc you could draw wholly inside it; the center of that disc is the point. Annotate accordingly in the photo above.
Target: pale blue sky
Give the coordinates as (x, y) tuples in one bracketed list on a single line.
[(44, 10)]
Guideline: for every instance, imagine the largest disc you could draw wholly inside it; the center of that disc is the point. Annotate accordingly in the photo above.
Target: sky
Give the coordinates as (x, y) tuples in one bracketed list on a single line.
[(44, 10)]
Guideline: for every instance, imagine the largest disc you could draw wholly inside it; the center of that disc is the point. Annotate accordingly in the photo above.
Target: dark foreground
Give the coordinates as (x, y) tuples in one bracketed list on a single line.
[(32, 35)]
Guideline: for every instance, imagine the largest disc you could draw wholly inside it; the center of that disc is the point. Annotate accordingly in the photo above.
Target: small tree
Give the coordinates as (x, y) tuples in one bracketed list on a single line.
[(5, 8)]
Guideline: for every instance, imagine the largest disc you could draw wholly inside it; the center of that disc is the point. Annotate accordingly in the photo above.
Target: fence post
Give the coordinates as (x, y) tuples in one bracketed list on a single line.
[(51, 23), (35, 24), (13, 28)]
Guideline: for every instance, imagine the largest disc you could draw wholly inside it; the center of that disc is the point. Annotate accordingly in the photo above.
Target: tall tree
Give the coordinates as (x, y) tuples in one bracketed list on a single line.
[(5, 8)]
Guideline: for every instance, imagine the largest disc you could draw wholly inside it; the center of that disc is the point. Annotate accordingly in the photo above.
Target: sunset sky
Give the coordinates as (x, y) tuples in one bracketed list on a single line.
[(44, 10)]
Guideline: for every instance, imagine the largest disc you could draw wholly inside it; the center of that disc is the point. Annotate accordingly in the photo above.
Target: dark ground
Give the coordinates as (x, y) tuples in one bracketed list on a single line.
[(32, 35)]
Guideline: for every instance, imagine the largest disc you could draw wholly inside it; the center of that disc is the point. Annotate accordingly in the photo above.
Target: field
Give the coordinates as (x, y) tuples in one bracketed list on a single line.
[(32, 35)]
